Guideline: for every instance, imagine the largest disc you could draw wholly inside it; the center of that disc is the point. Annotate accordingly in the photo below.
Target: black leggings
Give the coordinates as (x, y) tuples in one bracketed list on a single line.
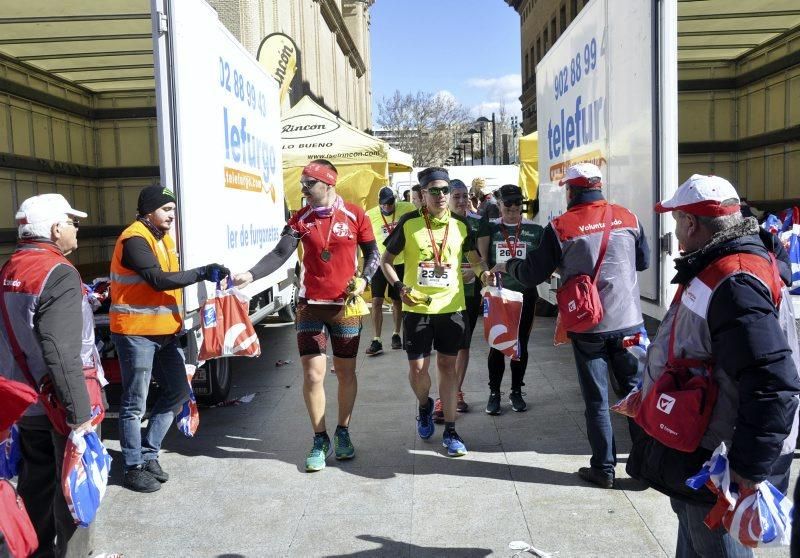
[(497, 361)]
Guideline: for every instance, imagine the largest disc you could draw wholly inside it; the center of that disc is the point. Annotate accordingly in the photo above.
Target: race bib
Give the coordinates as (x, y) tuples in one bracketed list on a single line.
[(428, 277), (502, 253)]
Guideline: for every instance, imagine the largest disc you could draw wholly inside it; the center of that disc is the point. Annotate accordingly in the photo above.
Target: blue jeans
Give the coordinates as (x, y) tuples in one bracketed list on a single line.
[(595, 357), (695, 540), (141, 358)]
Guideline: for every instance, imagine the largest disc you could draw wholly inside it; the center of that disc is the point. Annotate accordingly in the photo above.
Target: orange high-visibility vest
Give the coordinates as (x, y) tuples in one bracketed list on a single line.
[(137, 308)]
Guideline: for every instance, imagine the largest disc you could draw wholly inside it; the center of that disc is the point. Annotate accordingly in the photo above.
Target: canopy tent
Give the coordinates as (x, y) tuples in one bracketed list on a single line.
[(529, 165), (310, 132), (400, 161)]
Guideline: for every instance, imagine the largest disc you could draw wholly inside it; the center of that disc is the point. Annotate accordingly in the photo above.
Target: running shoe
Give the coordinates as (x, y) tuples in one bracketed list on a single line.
[(438, 412), (425, 426), (454, 444), (461, 405), (493, 406), (397, 342), (321, 451), (342, 445), (375, 348), (517, 402)]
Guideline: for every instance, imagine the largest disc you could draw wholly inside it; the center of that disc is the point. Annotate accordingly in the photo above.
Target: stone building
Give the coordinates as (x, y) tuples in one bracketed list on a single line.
[(738, 88)]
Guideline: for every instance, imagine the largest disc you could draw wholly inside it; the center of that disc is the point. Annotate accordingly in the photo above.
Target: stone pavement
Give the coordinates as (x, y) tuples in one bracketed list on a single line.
[(239, 487)]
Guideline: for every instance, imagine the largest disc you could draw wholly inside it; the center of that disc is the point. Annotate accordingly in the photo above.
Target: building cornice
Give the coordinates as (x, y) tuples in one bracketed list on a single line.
[(333, 17), (514, 4)]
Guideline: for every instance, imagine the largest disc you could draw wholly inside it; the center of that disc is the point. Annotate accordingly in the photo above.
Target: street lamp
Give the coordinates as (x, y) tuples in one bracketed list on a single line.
[(472, 132), (465, 141), (483, 120)]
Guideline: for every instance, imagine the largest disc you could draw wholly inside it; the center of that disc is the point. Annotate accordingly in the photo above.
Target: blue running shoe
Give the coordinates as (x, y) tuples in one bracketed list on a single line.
[(454, 444), (320, 451), (425, 426)]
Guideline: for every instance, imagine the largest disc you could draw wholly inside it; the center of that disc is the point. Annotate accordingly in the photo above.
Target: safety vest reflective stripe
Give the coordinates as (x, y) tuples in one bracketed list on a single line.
[(134, 279), (137, 309)]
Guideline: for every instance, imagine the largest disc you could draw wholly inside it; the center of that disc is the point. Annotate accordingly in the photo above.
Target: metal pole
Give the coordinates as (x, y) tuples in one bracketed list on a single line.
[(494, 142), (482, 150), (471, 151)]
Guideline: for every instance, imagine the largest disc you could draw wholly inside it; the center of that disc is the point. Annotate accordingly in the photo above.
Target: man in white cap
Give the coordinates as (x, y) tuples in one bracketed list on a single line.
[(41, 339), (733, 317), (572, 245)]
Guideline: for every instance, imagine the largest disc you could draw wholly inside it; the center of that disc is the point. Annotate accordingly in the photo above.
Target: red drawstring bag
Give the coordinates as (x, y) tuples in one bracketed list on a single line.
[(16, 398), (15, 525), (677, 409), (227, 329), (502, 311), (579, 304)]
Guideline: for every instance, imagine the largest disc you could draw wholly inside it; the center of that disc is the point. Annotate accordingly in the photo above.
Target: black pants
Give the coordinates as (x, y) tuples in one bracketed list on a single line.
[(40, 488), (497, 361)]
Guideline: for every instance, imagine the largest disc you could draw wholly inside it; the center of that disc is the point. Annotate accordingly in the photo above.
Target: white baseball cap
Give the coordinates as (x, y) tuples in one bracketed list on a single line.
[(44, 208), (581, 174), (702, 195)]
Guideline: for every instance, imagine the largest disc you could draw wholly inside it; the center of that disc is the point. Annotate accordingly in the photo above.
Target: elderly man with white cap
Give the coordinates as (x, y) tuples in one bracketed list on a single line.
[(41, 341), (730, 322), (574, 244)]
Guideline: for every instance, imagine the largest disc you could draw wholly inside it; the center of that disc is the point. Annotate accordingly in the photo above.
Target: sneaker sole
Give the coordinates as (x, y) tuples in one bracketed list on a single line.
[(345, 457), (376, 353), (148, 491), (459, 454), (494, 414), (519, 410)]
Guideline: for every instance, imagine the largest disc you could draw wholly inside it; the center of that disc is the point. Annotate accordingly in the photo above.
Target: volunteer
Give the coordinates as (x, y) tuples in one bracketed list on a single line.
[(330, 230), (432, 242), (571, 243), (43, 311), (734, 314), (145, 319), (384, 217), (510, 236), (459, 205)]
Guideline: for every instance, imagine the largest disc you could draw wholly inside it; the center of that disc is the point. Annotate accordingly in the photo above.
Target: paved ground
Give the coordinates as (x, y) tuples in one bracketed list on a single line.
[(239, 488)]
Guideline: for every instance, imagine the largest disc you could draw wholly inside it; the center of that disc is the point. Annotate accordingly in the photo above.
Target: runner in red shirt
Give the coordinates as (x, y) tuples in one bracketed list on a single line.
[(330, 231)]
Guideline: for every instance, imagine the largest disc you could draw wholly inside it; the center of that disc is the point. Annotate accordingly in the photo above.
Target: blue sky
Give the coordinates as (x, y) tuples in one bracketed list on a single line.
[(468, 48)]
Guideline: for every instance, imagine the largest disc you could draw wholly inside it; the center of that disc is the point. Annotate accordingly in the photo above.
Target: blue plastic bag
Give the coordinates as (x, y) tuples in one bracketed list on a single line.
[(84, 476), (10, 454)]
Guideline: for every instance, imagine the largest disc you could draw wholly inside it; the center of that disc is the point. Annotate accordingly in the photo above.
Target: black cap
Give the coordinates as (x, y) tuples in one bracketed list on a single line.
[(153, 197), (386, 195), (509, 192)]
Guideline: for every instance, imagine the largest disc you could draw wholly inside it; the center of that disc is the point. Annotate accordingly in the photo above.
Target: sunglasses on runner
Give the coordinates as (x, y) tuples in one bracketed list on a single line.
[(435, 191), (509, 203), (308, 183)]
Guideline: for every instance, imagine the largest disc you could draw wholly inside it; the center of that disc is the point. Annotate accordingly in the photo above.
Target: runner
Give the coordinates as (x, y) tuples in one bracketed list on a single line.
[(384, 217), (329, 230), (416, 196), (460, 205), (432, 241), (510, 236)]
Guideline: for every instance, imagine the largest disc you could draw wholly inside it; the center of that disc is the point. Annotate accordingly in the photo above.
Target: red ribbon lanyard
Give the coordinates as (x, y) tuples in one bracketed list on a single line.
[(437, 252), (512, 249), (330, 229), (389, 230)]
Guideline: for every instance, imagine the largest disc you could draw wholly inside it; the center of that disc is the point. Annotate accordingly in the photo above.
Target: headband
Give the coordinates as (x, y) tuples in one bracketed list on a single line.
[(427, 178), (320, 172)]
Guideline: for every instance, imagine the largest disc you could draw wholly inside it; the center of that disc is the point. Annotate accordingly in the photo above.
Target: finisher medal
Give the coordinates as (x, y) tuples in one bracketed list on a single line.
[(325, 255), (438, 270)]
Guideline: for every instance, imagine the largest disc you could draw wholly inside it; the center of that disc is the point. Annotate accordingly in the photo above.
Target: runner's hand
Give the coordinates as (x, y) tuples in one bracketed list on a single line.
[(242, 279), (499, 268), (83, 428), (407, 299), (357, 286), (469, 275), (488, 278)]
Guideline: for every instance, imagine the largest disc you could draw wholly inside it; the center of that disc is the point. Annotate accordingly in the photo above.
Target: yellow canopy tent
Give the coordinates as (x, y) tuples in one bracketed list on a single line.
[(310, 132), (529, 165), (400, 161)]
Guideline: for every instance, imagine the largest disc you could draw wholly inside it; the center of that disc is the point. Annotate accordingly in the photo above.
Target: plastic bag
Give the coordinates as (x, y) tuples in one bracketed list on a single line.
[(355, 306), (84, 475), (10, 453), (560, 334), (636, 345), (772, 224), (227, 329), (502, 310), (756, 517), (188, 419)]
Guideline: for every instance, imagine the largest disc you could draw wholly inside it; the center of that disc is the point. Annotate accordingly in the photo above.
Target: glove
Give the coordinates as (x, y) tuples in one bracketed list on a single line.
[(215, 272)]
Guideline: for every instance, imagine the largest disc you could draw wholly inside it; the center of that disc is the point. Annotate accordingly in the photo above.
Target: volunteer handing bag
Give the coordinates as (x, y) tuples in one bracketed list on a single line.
[(502, 311), (227, 330), (755, 517), (84, 475), (188, 419)]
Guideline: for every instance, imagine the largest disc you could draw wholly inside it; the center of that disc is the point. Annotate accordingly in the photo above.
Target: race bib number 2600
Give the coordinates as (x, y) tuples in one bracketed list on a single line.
[(502, 253), (429, 276)]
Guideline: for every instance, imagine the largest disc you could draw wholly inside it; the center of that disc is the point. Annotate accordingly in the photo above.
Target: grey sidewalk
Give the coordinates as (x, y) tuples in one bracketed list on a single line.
[(239, 488)]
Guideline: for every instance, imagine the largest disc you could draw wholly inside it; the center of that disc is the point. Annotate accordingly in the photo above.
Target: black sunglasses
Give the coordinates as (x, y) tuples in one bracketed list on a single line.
[(435, 191), (308, 183), (509, 203)]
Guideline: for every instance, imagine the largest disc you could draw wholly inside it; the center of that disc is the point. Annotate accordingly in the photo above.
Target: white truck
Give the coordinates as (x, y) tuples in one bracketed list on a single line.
[(89, 121), (606, 93)]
